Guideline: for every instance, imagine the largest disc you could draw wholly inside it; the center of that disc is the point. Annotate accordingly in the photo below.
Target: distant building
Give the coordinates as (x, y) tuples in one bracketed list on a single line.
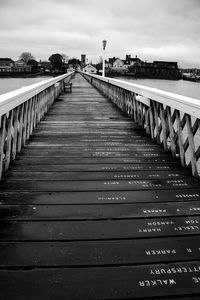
[(111, 61), (118, 64), (156, 69), (44, 65), (6, 65), (132, 60), (90, 69), (166, 64), (83, 60), (121, 66), (20, 66)]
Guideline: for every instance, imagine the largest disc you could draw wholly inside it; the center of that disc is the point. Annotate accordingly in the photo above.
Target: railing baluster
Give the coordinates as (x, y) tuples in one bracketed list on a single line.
[(147, 122), (25, 123), (172, 133), (15, 134), (164, 126), (20, 135), (2, 142), (151, 119), (155, 111), (9, 139), (191, 145), (180, 138)]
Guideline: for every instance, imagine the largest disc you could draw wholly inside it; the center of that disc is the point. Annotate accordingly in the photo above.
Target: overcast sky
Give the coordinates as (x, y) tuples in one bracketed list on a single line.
[(151, 29)]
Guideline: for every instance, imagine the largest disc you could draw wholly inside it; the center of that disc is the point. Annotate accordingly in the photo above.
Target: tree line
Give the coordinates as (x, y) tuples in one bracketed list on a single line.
[(57, 62)]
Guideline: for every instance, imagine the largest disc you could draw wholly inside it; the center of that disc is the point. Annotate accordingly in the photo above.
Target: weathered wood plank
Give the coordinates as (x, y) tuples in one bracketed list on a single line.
[(123, 282), (80, 175), (97, 167), (98, 253), (98, 197), (109, 185), (99, 229), (100, 211), (93, 160)]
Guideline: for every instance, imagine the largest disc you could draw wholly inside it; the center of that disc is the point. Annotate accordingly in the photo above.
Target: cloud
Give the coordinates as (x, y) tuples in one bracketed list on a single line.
[(154, 29)]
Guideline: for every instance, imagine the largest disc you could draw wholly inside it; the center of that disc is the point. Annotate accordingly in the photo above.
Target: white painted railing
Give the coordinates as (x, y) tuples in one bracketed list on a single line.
[(20, 112), (172, 120)]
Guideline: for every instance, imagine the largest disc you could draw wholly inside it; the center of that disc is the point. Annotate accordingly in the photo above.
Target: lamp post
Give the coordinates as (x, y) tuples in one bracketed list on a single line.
[(104, 42)]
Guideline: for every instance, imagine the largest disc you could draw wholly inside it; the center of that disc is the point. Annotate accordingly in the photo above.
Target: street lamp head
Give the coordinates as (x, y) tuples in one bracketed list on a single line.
[(104, 42)]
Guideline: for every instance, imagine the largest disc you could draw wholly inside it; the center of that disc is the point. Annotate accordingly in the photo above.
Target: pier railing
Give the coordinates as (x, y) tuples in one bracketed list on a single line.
[(20, 112), (170, 119)]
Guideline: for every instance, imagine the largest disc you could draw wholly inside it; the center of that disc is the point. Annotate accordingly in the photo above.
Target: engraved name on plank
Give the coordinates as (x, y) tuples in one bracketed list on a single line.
[(149, 184), (172, 226), (172, 276), (123, 196), (125, 176)]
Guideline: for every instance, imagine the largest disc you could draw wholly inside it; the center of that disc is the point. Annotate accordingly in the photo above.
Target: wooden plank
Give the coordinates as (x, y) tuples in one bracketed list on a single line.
[(123, 282), (97, 167), (99, 197), (100, 211), (116, 185), (99, 229), (85, 175), (85, 153), (91, 160), (98, 253)]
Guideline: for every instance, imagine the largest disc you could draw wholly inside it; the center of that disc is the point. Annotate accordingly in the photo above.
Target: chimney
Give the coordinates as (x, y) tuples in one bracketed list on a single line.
[(128, 56)]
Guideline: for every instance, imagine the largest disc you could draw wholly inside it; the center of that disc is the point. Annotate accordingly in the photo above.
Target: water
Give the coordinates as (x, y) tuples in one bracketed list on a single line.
[(10, 84), (181, 87)]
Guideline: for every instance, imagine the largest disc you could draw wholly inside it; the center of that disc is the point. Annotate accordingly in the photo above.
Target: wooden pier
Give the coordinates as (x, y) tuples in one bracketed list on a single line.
[(93, 208)]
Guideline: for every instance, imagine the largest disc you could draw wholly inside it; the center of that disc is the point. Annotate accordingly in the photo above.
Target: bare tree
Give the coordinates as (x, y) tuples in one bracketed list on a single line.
[(65, 58), (26, 56)]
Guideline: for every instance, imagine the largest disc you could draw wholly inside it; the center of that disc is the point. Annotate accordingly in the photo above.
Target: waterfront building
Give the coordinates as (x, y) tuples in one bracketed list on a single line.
[(90, 69), (132, 60), (156, 69), (6, 65), (121, 66), (20, 66), (44, 65)]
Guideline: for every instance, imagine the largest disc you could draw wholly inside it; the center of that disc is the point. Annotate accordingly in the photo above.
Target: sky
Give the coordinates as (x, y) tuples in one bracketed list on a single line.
[(151, 29)]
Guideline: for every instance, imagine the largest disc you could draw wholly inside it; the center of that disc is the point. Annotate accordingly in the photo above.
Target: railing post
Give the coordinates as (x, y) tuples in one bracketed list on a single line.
[(2, 143), (9, 139), (171, 132), (20, 136), (164, 126), (15, 134), (180, 138), (151, 116), (191, 146)]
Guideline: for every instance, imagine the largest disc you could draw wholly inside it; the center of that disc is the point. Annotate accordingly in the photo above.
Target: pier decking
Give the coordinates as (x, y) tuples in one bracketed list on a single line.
[(92, 208)]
